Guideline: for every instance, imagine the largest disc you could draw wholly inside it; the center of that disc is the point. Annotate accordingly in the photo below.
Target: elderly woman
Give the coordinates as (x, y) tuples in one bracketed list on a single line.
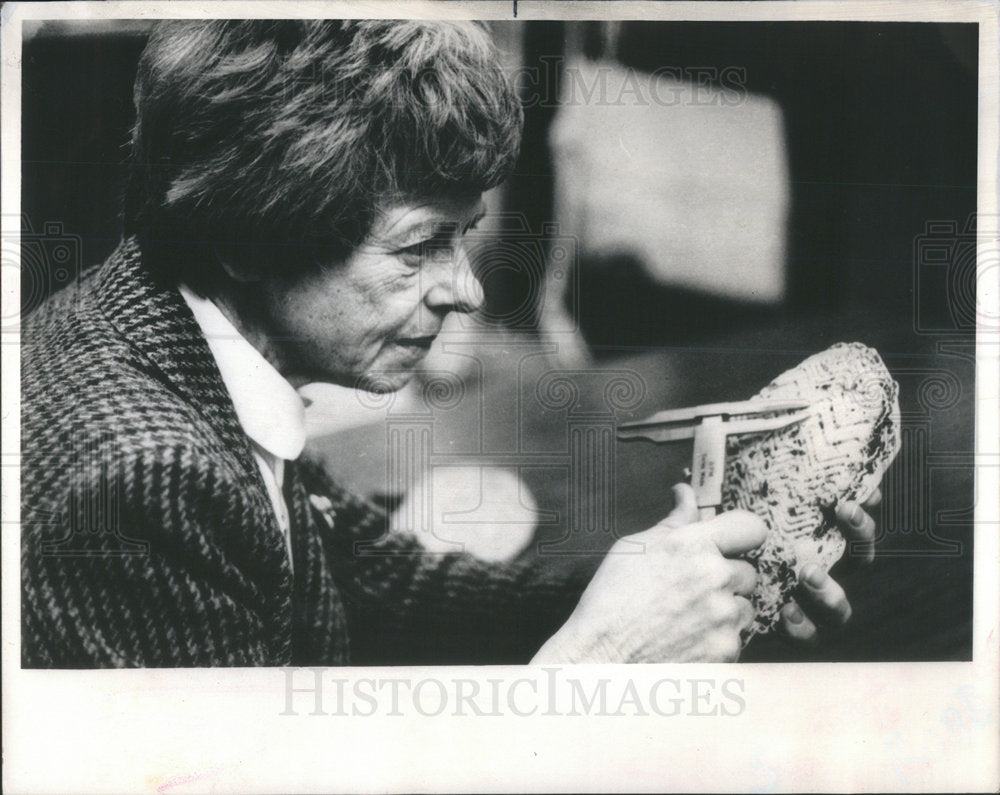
[(297, 202)]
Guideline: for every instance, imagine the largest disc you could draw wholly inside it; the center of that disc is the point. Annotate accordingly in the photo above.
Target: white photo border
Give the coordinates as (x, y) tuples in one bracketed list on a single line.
[(805, 728)]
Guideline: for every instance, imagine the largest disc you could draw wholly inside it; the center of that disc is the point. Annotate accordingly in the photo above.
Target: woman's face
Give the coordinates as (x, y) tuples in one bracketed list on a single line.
[(368, 321)]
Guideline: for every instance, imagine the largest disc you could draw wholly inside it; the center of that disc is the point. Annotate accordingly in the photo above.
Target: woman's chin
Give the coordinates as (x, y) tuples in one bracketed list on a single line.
[(385, 381)]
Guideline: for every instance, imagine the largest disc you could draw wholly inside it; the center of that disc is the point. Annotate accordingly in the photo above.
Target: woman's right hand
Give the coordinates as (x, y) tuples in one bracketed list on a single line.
[(673, 593)]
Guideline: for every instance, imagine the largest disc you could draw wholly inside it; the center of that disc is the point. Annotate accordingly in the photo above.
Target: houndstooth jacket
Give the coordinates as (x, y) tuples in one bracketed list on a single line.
[(148, 538)]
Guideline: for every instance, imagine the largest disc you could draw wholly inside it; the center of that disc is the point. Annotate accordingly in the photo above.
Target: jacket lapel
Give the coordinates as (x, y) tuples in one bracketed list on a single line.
[(319, 632)]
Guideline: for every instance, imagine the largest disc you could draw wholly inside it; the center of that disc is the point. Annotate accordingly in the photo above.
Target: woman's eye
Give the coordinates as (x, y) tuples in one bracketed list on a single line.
[(441, 246), (415, 250), (429, 249)]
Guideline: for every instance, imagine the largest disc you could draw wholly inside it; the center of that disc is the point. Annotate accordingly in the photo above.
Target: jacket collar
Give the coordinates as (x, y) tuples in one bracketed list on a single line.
[(267, 406), (157, 323)]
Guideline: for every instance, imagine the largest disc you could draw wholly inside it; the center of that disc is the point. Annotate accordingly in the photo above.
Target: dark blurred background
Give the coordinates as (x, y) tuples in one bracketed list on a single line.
[(879, 172)]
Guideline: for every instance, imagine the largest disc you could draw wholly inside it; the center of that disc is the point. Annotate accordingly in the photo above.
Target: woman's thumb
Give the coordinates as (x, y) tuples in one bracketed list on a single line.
[(685, 507)]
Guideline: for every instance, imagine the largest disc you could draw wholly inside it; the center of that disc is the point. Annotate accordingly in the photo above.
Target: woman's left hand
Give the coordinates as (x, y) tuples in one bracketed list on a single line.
[(820, 601)]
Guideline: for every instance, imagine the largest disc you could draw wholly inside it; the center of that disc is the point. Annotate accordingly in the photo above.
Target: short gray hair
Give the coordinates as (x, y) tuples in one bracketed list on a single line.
[(276, 140)]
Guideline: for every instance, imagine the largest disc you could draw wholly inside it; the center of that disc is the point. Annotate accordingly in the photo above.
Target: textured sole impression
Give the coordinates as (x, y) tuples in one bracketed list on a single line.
[(794, 477)]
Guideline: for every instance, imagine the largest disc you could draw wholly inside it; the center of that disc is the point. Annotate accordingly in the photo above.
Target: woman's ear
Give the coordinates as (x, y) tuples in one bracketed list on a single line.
[(242, 273)]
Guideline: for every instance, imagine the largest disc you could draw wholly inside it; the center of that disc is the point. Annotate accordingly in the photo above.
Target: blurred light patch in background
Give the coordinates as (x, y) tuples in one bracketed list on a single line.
[(692, 180), (486, 511)]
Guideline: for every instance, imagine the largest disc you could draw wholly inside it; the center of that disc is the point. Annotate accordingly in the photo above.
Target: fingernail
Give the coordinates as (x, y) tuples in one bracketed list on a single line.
[(815, 576), (795, 615)]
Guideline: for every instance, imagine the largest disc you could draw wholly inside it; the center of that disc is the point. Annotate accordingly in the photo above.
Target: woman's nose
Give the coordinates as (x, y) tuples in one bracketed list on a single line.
[(457, 289)]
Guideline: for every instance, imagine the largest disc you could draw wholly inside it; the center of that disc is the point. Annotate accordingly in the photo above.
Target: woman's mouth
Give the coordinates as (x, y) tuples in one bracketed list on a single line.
[(417, 342)]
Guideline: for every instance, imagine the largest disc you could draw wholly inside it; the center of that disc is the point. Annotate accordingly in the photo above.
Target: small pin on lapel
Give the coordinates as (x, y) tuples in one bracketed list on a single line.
[(324, 506)]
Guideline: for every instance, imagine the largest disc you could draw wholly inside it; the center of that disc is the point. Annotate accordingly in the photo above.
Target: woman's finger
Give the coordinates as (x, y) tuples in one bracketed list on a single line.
[(742, 577), (796, 624), (874, 500), (746, 612), (858, 529), (822, 597)]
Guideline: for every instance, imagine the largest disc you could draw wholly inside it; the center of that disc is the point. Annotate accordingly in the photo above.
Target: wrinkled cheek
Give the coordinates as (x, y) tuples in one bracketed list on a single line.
[(362, 357)]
